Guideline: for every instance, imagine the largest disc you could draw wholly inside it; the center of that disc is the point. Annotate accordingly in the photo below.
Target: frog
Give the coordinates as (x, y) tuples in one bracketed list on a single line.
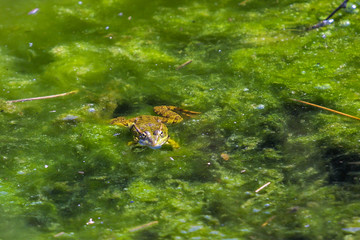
[(151, 131)]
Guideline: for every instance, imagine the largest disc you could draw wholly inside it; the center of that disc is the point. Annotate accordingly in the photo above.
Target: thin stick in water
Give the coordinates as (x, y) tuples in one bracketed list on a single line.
[(262, 187), (343, 5), (326, 21), (325, 108), (143, 226), (268, 221), (184, 64), (43, 97)]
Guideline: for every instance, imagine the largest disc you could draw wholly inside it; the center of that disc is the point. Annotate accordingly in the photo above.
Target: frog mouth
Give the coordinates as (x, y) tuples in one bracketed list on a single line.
[(152, 144), (147, 140), (155, 147)]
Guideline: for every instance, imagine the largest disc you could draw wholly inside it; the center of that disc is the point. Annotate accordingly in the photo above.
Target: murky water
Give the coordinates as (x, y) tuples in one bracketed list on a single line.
[(253, 165)]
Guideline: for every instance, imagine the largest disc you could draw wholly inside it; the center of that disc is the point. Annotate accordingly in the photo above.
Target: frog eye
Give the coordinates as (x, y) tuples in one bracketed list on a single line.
[(144, 134)]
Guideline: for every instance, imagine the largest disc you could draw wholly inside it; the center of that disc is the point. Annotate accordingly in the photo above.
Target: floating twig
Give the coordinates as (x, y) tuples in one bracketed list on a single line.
[(262, 187), (343, 5), (143, 226), (325, 108), (34, 11), (268, 221), (243, 3), (184, 64), (43, 97), (59, 234), (326, 21), (354, 163)]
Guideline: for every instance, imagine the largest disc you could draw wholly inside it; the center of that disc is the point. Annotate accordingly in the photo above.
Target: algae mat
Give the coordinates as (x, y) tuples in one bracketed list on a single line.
[(253, 165)]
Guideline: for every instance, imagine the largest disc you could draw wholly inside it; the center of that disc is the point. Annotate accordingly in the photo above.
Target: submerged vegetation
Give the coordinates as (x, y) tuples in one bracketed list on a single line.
[(253, 165)]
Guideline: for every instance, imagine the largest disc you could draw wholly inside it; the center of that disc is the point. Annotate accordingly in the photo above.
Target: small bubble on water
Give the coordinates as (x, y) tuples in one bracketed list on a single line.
[(260, 106), (345, 23)]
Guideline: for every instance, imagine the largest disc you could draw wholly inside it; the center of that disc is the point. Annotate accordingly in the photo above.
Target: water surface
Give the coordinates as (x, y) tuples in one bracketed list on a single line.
[(66, 173)]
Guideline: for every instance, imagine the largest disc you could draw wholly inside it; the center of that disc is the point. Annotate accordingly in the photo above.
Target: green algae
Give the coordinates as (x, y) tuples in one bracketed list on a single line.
[(67, 173)]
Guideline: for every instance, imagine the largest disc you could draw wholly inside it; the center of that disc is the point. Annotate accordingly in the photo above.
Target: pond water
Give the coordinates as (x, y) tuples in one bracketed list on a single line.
[(252, 165)]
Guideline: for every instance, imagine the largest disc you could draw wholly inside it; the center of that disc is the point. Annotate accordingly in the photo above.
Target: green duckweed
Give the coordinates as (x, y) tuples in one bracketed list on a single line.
[(66, 173)]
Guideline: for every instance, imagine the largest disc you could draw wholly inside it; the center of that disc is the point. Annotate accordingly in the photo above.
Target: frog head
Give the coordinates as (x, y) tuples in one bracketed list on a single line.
[(152, 137)]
